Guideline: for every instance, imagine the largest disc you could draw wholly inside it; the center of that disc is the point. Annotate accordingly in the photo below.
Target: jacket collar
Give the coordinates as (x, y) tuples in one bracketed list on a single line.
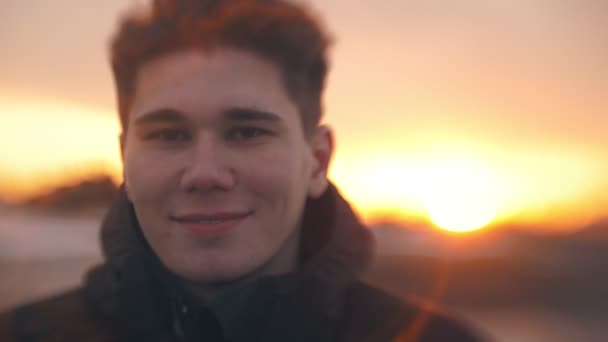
[(133, 285)]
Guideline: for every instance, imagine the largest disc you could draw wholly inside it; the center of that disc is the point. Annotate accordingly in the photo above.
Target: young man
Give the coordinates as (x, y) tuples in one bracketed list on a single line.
[(226, 228)]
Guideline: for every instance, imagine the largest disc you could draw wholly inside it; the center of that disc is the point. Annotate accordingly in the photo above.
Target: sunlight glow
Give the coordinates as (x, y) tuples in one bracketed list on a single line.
[(464, 186), (458, 184), (462, 195), (458, 193), (51, 142)]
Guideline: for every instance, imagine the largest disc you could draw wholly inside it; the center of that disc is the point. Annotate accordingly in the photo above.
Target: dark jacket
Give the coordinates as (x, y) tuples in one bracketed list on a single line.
[(132, 297)]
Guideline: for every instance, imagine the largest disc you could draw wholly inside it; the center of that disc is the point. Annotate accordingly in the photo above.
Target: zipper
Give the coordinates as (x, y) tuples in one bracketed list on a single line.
[(180, 309)]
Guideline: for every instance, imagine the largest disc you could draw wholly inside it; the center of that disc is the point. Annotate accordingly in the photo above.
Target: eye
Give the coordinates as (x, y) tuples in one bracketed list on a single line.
[(169, 135), (247, 133)]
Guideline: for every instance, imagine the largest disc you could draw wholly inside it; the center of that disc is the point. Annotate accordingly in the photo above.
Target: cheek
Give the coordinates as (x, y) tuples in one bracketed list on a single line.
[(147, 175), (277, 170)]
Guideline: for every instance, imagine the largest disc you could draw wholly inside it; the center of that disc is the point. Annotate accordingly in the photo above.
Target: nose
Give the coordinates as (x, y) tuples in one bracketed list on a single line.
[(207, 168)]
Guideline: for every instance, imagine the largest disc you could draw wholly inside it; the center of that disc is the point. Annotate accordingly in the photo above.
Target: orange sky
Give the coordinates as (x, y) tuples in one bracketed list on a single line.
[(503, 102)]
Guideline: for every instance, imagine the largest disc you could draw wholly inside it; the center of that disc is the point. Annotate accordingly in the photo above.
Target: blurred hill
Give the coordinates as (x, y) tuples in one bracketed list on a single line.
[(531, 241), (595, 233), (506, 267), (92, 194)]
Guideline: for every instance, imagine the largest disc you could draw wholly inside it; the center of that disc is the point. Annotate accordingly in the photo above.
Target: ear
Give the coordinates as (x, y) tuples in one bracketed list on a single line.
[(122, 141), (322, 148)]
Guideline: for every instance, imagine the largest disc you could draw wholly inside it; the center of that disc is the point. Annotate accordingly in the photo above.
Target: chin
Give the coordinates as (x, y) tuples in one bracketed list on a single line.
[(216, 273)]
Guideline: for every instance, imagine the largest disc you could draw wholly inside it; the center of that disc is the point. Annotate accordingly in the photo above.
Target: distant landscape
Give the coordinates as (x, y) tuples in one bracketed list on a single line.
[(500, 279), (87, 195), (565, 272), (527, 285), (503, 266)]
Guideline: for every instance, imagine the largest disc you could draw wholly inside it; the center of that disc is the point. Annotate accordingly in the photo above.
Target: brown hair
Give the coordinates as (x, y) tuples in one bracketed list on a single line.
[(286, 33)]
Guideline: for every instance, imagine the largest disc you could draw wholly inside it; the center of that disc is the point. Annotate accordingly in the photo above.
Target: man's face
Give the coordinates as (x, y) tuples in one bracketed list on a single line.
[(216, 162)]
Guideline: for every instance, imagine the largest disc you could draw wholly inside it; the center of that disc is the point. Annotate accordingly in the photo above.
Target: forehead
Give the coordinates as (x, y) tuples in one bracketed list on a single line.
[(203, 83)]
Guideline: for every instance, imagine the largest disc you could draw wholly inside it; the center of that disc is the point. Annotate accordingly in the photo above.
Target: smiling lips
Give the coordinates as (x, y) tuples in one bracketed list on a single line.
[(211, 224)]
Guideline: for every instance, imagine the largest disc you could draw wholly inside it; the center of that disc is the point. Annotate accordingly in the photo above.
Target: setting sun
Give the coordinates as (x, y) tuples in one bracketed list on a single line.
[(462, 194)]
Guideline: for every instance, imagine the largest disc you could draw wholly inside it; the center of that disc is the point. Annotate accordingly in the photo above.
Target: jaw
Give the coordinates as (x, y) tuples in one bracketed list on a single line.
[(283, 261)]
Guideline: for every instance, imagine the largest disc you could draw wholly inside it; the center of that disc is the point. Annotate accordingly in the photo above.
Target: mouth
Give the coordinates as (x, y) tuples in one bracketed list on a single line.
[(210, 223)]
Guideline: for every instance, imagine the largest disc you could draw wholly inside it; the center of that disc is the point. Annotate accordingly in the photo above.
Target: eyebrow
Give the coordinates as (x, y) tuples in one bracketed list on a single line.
[(249, 114), (166, 115)]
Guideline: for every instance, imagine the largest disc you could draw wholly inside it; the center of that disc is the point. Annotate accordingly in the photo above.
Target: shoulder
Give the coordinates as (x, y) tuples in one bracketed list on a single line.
[(7, 332), (64, 317), (375, 315)]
